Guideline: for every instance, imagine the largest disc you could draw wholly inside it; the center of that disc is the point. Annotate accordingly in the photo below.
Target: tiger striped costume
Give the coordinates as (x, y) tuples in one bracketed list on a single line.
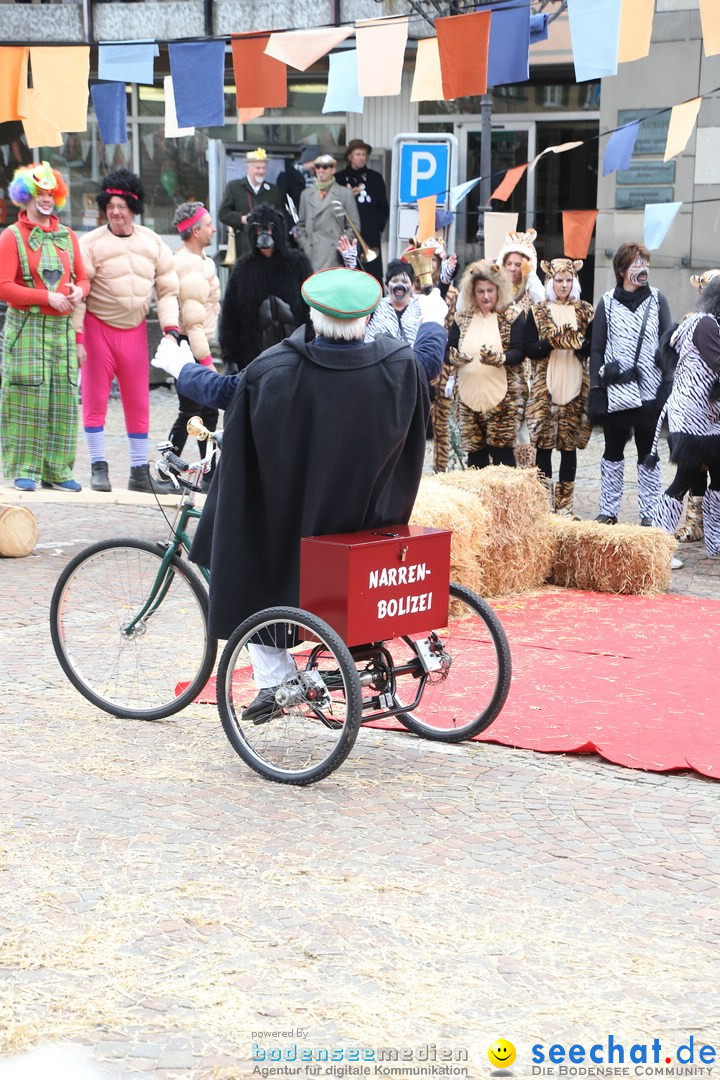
[(498, 426), (441, 407), (562, 426)]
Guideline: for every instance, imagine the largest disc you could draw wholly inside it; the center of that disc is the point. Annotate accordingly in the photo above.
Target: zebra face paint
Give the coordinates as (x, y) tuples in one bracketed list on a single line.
[(636, 275)]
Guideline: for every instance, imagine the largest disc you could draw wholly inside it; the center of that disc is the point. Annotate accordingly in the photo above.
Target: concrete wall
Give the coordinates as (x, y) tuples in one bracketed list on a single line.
[(675, 70)]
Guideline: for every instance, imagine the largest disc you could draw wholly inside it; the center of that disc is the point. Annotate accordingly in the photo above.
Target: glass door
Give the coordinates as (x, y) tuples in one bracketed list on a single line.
[(512, 144)]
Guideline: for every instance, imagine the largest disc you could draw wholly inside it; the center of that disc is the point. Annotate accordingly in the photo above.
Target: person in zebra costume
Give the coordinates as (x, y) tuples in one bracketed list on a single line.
[(558, 346), (625, 379), (42, 281), (693, 417), (691, 530)]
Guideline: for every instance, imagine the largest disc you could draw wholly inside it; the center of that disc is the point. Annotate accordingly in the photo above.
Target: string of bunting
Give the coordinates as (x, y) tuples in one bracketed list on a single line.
[(469, 52)]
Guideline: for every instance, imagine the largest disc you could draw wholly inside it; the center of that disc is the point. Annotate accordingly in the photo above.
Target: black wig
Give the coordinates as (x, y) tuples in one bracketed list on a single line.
[(125, 185)]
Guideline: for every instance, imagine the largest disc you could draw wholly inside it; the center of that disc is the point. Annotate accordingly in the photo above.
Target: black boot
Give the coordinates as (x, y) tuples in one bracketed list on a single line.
[(99, 478), (140, 480)]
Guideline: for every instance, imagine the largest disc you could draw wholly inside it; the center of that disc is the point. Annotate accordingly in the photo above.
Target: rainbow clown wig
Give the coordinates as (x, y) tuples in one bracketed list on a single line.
[(38, 179)]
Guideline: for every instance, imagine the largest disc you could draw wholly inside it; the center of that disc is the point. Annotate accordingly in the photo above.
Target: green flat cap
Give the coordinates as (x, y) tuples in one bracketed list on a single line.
[(341, 293)]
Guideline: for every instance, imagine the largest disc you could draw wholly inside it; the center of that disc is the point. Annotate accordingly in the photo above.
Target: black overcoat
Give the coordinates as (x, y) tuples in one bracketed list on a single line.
[(318, 439)]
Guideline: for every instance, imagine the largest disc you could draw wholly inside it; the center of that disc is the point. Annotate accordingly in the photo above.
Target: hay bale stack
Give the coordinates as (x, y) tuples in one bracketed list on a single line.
[(440, 507), (511, 544), (626, 559)]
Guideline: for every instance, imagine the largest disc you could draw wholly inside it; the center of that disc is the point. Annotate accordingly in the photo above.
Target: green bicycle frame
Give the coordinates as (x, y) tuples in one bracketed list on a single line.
[(178, 542)]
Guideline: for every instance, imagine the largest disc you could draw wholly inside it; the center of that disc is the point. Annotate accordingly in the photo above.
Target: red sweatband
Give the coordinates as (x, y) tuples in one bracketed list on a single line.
[(194, 220)]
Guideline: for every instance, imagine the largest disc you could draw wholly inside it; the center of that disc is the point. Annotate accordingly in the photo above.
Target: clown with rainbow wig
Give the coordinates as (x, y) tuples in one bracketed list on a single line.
[(42, 281)]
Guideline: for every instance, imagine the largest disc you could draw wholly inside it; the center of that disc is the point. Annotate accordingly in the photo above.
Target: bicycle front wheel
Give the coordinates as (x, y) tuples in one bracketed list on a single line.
[(465, 695), (314, 718), (132, 640)]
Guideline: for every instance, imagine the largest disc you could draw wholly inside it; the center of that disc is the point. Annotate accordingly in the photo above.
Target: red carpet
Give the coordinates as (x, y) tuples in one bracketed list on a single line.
[(631, 678)]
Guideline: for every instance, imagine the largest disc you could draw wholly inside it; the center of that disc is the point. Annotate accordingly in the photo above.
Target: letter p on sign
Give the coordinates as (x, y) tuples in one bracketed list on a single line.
[(423, 170)]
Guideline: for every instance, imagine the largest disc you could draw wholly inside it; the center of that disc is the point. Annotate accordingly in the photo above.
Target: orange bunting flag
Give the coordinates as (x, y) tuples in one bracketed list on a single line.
[(463, 43), (426, 215), (710, 22), (578, 228), (508, 183), (13, 62), (246, 116), (260, 80)]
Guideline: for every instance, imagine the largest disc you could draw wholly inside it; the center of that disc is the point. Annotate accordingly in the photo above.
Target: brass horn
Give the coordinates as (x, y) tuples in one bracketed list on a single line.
[(367, 254), (197, 429), (420, 258)]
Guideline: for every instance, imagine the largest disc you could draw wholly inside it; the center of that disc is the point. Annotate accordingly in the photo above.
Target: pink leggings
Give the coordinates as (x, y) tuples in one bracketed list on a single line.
[(123, 353)]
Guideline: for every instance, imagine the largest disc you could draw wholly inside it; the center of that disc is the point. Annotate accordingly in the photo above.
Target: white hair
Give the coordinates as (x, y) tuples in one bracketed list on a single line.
[(574, 292), (338, 329)]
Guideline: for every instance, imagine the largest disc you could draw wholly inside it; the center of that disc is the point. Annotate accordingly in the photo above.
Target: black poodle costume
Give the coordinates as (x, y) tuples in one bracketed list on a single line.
[(263, 304)]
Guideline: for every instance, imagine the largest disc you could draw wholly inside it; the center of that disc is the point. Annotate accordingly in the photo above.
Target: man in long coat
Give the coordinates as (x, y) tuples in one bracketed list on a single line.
[(321, 222), (326, 437)]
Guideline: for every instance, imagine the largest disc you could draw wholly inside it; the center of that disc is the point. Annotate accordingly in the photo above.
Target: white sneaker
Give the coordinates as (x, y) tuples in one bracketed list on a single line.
[(675, 563)]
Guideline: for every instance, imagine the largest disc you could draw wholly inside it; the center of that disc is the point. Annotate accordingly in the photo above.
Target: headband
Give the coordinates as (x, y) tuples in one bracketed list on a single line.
[(195, 219), (562, 264), (119, 191)]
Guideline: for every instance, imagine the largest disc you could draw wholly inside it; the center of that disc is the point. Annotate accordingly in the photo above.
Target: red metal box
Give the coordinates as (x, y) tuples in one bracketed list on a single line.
[(375, 585)]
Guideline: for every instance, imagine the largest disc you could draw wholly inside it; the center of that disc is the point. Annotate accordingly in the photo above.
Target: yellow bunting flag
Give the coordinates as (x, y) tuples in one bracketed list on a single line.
[(682, 125), (710, 22), (636, 22), (427, 79), (509, 182), (301, 48), (380, 56), (426, 215), (38, 132), (561, 148), (496, 226), (60, 79), (172, 131)]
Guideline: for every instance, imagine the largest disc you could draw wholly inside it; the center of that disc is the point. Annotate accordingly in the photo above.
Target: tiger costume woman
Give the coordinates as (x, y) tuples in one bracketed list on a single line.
[(558, 345), (487, 346)]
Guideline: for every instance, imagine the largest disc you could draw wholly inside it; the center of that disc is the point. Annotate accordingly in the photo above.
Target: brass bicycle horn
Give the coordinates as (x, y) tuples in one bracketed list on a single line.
[(197, 429)]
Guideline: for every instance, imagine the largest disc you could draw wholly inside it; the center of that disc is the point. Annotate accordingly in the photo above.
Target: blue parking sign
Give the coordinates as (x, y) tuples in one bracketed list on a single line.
[(423, 170)]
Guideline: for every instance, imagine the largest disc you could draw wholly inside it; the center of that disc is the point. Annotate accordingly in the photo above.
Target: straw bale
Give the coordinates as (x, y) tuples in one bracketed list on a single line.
[(440, 507), (514, 549), (629, 559)]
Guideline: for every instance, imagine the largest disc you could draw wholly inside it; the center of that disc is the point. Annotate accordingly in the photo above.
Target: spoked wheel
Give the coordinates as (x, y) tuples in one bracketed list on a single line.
[(313, 719), (467, 691), (124, 646)]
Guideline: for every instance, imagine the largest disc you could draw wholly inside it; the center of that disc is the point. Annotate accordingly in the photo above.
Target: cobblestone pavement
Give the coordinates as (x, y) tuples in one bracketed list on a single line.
[(166, 907)]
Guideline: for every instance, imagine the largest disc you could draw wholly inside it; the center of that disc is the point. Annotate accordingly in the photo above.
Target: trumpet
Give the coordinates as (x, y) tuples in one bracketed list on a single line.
[(367, 254)]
